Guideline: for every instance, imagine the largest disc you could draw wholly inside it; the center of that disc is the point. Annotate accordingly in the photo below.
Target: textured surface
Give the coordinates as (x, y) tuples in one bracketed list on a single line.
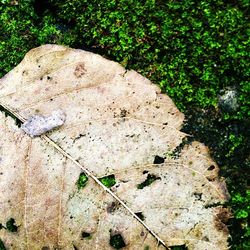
[(117, 123), (38, 124)]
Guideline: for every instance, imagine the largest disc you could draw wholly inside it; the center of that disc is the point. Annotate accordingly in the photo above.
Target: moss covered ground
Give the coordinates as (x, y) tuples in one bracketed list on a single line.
[(193, 49)]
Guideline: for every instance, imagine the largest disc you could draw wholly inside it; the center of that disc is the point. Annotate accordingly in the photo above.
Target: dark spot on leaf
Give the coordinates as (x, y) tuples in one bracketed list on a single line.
[(140, 215), (146, 248), (86, 235), (2, 247), (108, 181), (209, 178), (112, 207), (205, 238), (212, 167), (150, 179), (197, 196), (78, 137), (158, 159), (45, 248), (116, 241), (82, 180), (165, 123), (75, 248), (145, 172), (48, 77), (181, 247), (80, 70), (123, 113), (10, 225)]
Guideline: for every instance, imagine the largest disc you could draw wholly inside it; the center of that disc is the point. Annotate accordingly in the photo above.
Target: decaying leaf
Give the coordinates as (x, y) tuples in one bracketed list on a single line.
[(120, 132)]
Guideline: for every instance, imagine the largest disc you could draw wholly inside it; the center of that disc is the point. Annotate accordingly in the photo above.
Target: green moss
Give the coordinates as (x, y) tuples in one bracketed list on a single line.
[(108, 181), (82, 181)]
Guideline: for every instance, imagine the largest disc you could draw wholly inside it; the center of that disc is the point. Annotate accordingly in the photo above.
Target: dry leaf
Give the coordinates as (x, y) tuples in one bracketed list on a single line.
[(119, 125)]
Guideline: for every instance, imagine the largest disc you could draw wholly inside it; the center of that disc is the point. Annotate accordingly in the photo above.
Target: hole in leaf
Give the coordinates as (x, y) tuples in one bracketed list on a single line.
[(150, 179), (158, 159), (116, 241), (10, 225), (212, 167), (181, 247), (2, 247), (82, 180), (86, 235), (108, 181), (140, 215)]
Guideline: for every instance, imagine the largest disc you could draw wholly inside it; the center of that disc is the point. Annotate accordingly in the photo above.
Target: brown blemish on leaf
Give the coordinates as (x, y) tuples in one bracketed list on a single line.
[(80, 70), (112, 207), (221, 218)]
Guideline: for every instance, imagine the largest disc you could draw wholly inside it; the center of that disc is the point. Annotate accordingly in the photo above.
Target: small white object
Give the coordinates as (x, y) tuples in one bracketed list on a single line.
[(38, 124)]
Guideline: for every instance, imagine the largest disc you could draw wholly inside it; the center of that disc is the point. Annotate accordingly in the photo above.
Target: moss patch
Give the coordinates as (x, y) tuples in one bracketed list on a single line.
[(108, 181), (82, 181)]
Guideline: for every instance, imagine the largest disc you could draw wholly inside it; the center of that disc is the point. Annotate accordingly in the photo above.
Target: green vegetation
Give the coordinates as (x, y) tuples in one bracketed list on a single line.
[(193, 49), (108, 181), (82, 181)]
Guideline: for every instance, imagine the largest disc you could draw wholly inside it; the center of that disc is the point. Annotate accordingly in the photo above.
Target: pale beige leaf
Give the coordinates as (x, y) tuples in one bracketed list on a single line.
[(117, 122)]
